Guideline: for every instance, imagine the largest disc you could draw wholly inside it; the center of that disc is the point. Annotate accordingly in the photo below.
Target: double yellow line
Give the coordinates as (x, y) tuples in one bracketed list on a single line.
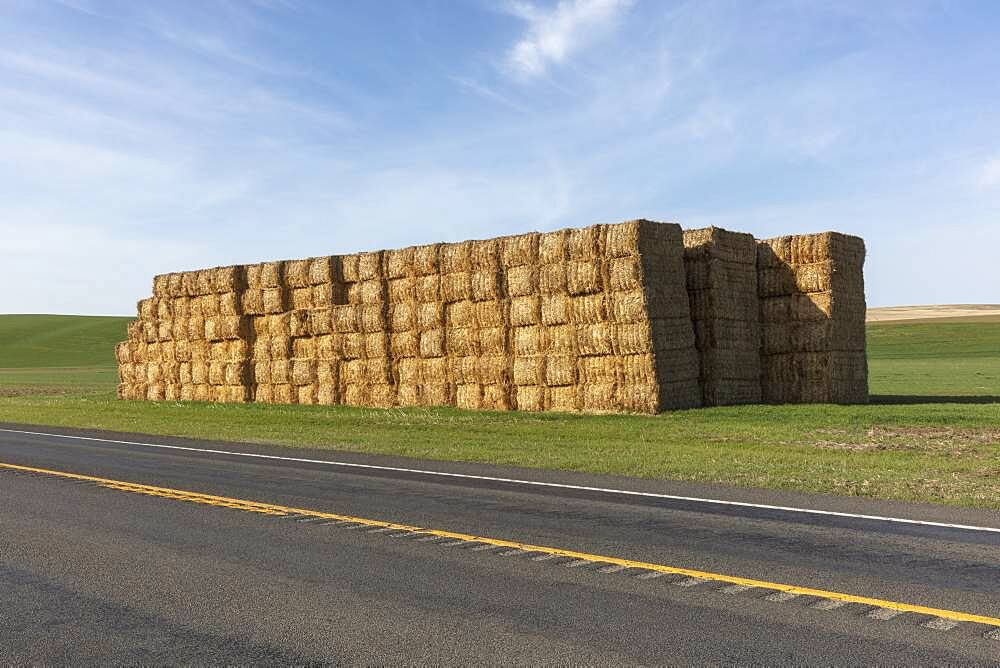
[(279, 510)]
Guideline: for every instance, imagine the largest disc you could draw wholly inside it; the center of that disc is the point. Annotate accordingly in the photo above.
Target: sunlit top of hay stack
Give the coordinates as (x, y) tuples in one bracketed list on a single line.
[(813, 314), (722, 285)]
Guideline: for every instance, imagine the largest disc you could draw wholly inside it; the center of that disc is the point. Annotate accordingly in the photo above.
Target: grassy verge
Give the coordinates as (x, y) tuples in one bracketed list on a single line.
[(937, 439)]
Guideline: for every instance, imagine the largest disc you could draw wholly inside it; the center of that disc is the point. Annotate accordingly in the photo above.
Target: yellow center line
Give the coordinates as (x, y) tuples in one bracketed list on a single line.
[(275, 509)]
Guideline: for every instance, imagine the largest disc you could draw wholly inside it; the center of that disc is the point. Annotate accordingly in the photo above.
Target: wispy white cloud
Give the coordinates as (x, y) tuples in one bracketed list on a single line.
[(552, 36)]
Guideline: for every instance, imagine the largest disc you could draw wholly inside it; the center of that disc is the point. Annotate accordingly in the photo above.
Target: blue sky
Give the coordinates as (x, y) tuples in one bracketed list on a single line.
[(143, 137)]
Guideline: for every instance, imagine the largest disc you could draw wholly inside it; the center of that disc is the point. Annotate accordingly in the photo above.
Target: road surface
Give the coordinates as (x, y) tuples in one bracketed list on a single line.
[(96, 571)]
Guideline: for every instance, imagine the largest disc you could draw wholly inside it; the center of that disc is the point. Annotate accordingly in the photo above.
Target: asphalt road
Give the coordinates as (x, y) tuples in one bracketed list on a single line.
[(96, 575)]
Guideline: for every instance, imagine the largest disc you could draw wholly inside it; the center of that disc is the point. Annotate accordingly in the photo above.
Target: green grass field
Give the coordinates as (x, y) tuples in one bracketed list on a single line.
[(932, 432)]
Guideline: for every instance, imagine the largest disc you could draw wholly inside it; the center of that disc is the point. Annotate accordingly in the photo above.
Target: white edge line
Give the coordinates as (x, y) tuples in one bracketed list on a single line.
[(515, 481)]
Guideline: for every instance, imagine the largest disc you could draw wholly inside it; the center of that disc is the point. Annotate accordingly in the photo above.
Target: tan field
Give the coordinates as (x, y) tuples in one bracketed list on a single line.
[(935, 312)]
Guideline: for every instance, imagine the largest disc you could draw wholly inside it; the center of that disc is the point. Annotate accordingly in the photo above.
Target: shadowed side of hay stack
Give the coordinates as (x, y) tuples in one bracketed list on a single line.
[(812, 302), (721, 271)]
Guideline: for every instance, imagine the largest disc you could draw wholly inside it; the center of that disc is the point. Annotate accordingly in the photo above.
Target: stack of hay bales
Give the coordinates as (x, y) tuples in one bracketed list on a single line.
[(722, 284), (190, 341), (598, 319), (813, 316)]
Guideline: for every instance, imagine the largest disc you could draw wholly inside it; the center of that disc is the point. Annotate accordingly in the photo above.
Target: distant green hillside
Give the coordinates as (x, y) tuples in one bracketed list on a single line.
[(59, 340)]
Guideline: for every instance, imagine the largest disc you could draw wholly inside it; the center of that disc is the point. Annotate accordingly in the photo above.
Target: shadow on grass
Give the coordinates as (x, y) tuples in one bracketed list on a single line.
[(907, 399)]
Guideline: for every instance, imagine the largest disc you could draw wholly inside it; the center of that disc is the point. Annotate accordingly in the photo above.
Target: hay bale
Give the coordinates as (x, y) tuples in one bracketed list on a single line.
[(460, 315), (376, 345), (369, 266), (355, 346), (562, 399), (555, 309), (520, 250), (436, 394), (462, 341), (349, 268), (485, 255), (428, 288), (321, 270), (583, 278), (432, 343), (492, 340), (484, 285), (299, 323), (398, 263), (304, 347), (320, 321), (382, 396), (525, 311), (496, 397), (281, 347), (584, 244), (353, 372), (404, 344), (329, 347), (595, 339), (560, 370), (469, 396), (588, 309), (261, 372), (464, 370), (275, 300), (528, 370), (494, 370), (456, 287), (529, 398), (301, 298), (401, 290), (426, 259), (455, 258), (529, 341), (407, 372), (374, 318)]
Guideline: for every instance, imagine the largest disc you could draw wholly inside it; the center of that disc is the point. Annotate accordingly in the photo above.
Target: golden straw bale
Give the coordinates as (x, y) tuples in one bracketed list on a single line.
[(426, 259), (434, 370), (155, 392), (281, 347), (184, 373), (401, 290), (374, 318), (643, 398), (519, 250), (280, 371), (633, 338), (202, 392), (262, 372), (456, 286), (407, 394), (252, 273), (329, 347), (525, 311), (555, 309), (278, 324), (464, 370), (346, 318), (492, 340), (187, 393), (349, 268), (529, 397), (230, 303), (209, 305), (354, 346), (274, 300), (469, 396), (199, 350), (327, 395), (321, 270), (456, 258), (237, 373), (297, 274), (436, 394), (164, 330), (376, 345), (522, 281), (622, 239), (164, 310), (398, 263), (320, 321), (494, 369), (154, 373), (552, 279), (304, 347), (353, 372), (491, 313), (402, 317), (305, 395), (299, 323), (272, 274), (181, 307), (303, 372), (562, 399), (529, 341), (213, 328), (284, 393), (588, 309), (496, 397), (123, 353), (135, 330), (625, 273), (552, 247), (462, 341), (560, 370), (407, 371), (216, 373), (428, 288), (485, 285), (238, 349), (383, 396), (357, 394), (430, 315), (595, 339), (189, 279), (528, 370), (147, 308), (432, 343), (378, 371), (596, 397), (252, 302), (228, 279), (205, 282), (485, 255), (161, 285), (598, 370), (561, 339), (404, 344), (369, 266), (584, 244), (638, 369), (301, 298), (583, 278)]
